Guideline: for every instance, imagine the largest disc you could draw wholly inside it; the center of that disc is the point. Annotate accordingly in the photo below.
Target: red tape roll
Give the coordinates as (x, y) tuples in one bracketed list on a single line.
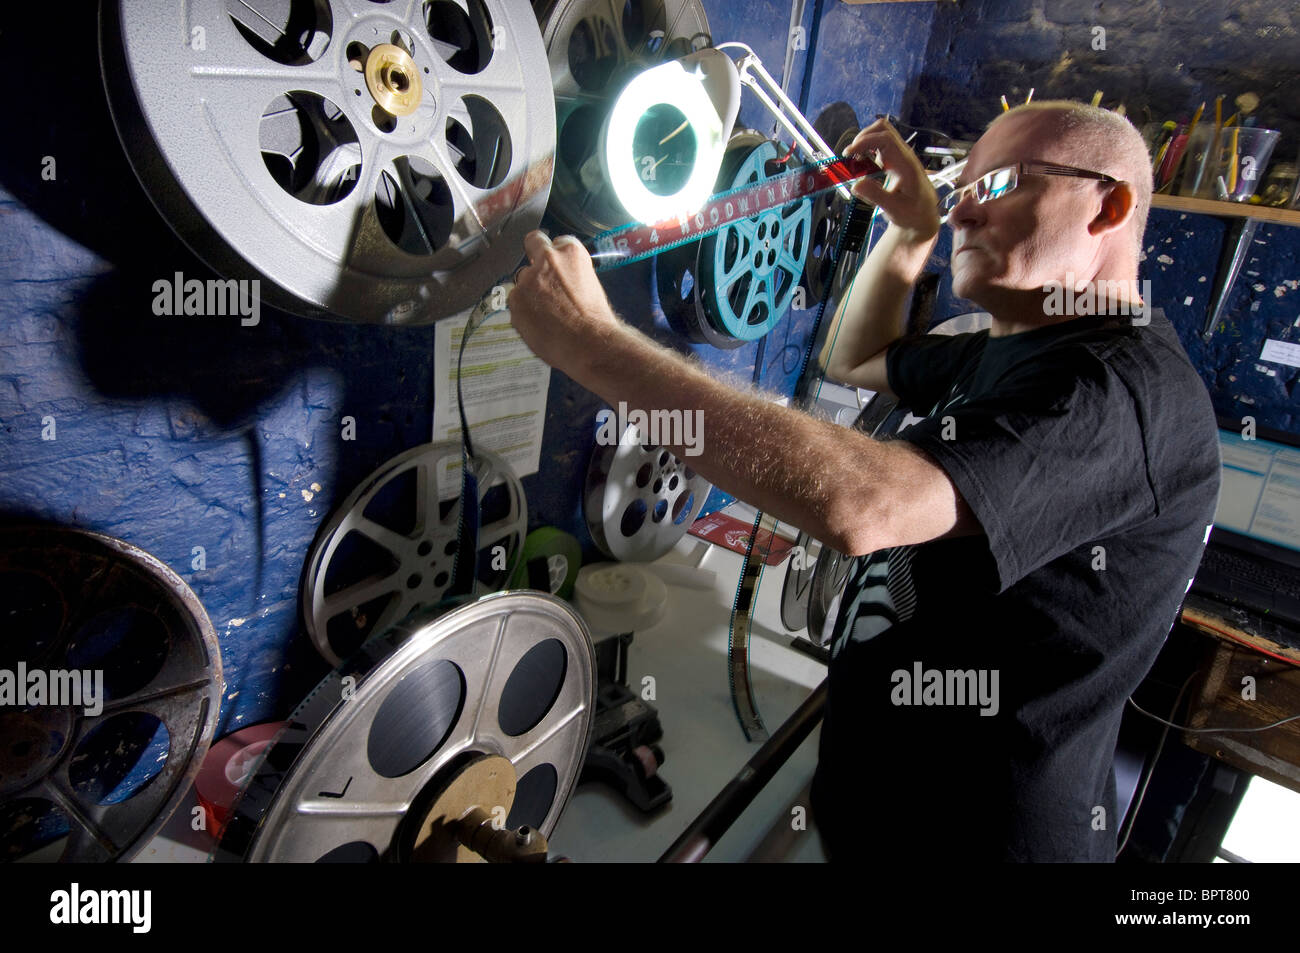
[(227, 767)]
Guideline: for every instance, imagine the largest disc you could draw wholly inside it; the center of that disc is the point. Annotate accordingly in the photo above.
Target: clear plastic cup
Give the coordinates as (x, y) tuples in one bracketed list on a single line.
[(1229, 168)]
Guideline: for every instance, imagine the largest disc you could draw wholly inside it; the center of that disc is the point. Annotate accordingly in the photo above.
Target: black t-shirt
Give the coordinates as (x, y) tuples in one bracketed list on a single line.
[(977, 683)]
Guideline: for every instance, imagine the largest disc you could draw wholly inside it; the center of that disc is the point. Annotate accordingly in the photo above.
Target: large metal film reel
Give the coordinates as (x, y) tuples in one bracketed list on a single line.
[(355, 773), (76, 784), (390, 547), (639, 500), (376, 162), (735, 286), (594, 47)]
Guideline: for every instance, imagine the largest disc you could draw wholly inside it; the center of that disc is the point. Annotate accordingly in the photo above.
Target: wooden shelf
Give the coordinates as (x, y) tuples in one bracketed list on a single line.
[(1263, 213)]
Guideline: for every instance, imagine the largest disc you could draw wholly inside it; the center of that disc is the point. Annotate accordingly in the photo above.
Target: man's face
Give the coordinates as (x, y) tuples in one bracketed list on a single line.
[(1034, 234)]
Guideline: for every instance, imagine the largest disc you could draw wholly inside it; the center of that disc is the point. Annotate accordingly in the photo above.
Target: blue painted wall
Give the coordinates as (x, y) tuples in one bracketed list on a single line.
[(180, 432)]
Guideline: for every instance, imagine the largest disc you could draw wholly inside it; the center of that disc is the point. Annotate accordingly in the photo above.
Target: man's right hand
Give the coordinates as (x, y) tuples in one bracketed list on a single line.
[(910, 203)]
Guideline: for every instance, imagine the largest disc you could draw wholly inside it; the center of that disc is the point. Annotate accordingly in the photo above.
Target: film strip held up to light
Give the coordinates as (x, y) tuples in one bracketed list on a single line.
[(633, 243)]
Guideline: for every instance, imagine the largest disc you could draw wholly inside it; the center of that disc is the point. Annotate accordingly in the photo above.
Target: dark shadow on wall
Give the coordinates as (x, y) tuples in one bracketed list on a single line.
[(223, 376)]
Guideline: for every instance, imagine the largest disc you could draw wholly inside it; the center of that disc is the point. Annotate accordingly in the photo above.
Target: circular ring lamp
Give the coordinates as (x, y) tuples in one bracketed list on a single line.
[(699, 97)]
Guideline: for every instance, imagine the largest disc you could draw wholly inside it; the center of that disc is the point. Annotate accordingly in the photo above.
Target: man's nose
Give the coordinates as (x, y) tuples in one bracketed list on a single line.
[(968, 211)]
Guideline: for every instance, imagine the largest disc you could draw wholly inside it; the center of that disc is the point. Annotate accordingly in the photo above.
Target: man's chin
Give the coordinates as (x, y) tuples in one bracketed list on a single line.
[(969, 287)]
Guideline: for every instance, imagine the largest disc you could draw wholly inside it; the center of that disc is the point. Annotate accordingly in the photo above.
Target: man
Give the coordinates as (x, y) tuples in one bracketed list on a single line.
[(1026, 546)]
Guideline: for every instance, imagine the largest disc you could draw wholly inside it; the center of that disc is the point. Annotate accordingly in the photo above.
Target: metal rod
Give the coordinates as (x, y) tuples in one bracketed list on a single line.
[(715, 820), (800, 129)]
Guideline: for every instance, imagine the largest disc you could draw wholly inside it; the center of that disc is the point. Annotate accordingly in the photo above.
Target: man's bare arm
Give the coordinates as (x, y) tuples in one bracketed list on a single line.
[(850, 491), (871, 316)]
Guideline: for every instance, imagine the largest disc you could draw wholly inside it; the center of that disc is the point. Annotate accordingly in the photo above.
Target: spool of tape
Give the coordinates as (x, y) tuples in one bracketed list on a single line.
[(633, 162), (561, 556), (228, 765), (618, 597)]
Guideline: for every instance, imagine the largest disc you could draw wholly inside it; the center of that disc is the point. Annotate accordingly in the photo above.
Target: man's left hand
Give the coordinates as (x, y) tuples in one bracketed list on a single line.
[(558, 305)]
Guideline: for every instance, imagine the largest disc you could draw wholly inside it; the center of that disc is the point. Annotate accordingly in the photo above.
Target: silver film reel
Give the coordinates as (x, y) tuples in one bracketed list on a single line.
[(639, 500), (354, 775), (827, 582), (389, 548), (594, 48), (378, 162), (87, 779)]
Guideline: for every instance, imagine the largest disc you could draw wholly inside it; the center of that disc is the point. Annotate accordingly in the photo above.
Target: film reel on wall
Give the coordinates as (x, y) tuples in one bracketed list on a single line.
[(837, 124), (594, 46), (639, 499), (389, 548), (486, 707), (78, 785), (376, 162), (735, 286)]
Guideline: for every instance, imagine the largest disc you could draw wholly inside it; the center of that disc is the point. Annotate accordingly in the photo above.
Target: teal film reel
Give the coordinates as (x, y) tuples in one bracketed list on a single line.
[(749, 271)]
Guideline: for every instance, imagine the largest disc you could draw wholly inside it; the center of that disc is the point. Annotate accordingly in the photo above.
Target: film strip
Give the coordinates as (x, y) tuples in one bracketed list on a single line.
[(632, 243)]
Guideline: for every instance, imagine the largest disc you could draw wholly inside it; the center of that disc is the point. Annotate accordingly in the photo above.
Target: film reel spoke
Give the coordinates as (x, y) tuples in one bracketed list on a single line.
[(360, 594), (559, 735), (71, 808), (392, 541), (150, 700)]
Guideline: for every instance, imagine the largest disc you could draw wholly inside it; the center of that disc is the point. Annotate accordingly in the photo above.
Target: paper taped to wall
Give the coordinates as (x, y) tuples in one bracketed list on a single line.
[(1280, 352), (505, 388)]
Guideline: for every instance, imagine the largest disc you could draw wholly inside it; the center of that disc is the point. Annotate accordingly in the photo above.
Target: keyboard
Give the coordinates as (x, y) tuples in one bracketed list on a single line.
[(1262, 585)]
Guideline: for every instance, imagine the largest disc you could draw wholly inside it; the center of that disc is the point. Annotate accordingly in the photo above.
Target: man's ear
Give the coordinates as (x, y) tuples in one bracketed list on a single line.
[(1116, 208)]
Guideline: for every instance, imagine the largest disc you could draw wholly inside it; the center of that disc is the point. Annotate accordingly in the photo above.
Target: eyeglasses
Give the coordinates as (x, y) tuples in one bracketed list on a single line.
[(995, 184)]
